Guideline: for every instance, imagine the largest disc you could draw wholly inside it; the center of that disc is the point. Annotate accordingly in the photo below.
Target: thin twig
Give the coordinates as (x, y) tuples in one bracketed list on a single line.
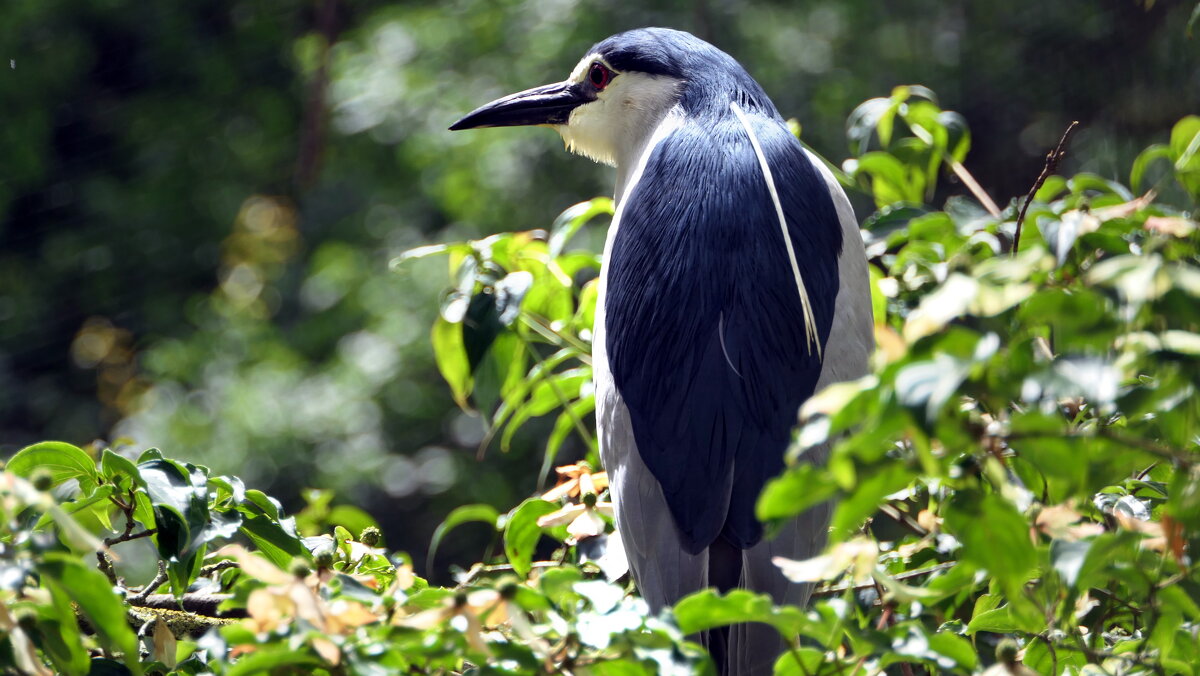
[(312, 130), (127, 536), (835, 591), (977, 190), (140, 597), (218, 567), (479, 569), (1052, 160), (887, 620), (558, 338), (903, 519), (106, 567)]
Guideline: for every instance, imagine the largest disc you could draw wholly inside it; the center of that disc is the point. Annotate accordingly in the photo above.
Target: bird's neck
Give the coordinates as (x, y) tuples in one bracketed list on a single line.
[(631, 156)]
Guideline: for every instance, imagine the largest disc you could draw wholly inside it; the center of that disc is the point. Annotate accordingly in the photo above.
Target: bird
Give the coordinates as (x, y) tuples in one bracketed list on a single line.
[(733, 286)]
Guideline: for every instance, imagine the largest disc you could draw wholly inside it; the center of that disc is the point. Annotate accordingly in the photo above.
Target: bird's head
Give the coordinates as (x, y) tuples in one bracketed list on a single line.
[(618, 92)]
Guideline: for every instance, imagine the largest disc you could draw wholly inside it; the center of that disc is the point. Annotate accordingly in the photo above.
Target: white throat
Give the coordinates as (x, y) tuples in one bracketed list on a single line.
[(615, 128)]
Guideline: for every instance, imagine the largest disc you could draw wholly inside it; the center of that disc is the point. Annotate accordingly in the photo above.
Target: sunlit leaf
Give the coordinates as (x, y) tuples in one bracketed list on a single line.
[(708, 609), (521, 533), (94, 595), (63, 462), (457, 517)]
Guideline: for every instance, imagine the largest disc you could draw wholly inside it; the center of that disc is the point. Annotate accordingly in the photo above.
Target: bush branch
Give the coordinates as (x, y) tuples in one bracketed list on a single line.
[(1052, 160)]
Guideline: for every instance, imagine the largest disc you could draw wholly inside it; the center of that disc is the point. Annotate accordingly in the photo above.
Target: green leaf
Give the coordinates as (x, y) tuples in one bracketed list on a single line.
[(1143, 161), (570, 221), (115, 465), (1177, 599), (63, 461), (268, 505), (863, 121), (98, 498), (865, 499), (271, 657), (521, 533), (180, 507), (451, 355), (274, 541), (994, 536), (800, 662), (558, 584), (799, 488), (460, 515), (564, 424), (61, 639), (427, 251), (1039, 658), (1001, 621), (618, 667), (93, 593), (707, 609), (1185, 146), (945, 649), (1185, 140), (891, 182), (501, 371)]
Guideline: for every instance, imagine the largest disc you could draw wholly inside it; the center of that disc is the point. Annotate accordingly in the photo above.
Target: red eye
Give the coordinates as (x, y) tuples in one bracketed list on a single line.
[(599, 76)]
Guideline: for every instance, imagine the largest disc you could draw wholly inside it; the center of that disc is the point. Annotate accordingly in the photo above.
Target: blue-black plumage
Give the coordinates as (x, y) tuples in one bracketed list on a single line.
[(734, 286), (705, 328)]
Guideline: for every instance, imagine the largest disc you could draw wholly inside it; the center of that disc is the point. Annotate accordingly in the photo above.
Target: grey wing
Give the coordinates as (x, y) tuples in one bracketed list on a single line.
[(666, 572), (851, 339)]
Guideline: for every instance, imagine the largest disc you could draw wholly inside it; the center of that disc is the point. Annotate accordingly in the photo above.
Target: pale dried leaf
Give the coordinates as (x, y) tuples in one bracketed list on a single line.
[(586, 525), (557, 518), (255, 565), (327, 649), (268, 609), (164, 644)]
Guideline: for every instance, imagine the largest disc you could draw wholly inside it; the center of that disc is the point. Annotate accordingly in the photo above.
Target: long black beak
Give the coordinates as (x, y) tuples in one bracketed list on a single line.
[(548, 104)]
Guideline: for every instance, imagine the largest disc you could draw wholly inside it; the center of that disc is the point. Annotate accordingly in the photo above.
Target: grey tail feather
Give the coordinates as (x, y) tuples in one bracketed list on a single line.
[(724, 574)]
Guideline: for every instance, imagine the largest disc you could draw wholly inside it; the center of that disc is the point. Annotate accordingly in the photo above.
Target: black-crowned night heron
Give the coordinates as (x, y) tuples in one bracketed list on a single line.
[(734, 286)]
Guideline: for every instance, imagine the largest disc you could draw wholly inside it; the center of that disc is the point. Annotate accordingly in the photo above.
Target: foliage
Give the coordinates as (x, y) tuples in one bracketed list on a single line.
[(281, 603), (188, 256), (1021, 464)]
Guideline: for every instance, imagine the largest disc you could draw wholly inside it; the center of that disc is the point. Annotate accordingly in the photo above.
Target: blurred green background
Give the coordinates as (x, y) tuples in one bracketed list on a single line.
[(198, 201)]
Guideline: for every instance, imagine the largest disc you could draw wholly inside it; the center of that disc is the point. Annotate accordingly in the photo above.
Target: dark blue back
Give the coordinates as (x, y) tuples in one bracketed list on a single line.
[(704, 325)]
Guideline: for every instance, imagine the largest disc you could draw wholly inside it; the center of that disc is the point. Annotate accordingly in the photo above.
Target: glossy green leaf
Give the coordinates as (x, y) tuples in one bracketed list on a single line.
[(994, 536), (521, 533), (1143, 162), (274, 540), (451, 355), (89, 589), (115, 465), (180, 507), (61, 636), (1068, 558), (707, 609), (63, 462), (800, 662), (792, 493), (457, 517)]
